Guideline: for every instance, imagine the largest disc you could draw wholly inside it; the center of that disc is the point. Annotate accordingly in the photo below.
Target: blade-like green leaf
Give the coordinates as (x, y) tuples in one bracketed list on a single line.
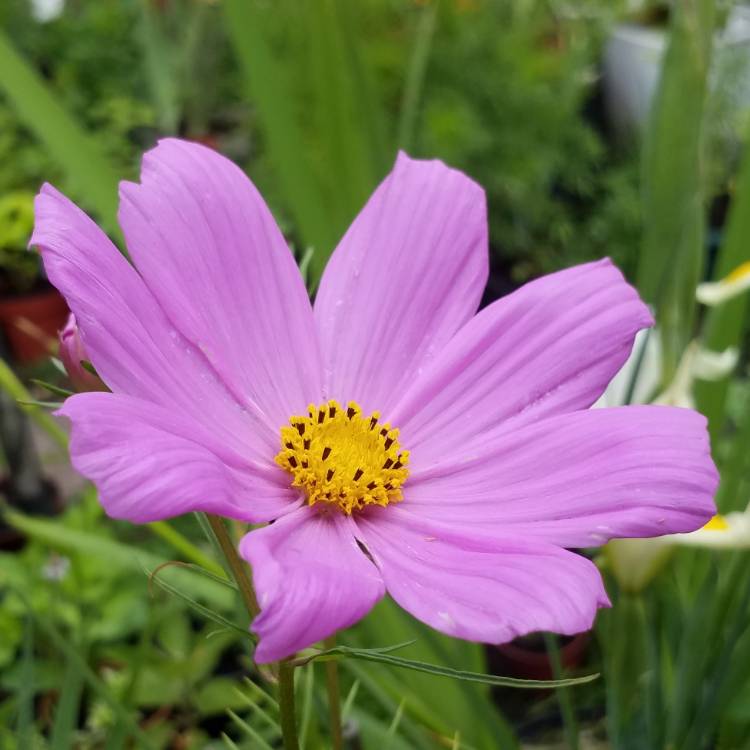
[(63, 645), (52, 388), (415, 75), (724, 324), (60, 537), (66, 713), (382, 656), (672, 253), (90, 177), (207, 612), (268, 88)]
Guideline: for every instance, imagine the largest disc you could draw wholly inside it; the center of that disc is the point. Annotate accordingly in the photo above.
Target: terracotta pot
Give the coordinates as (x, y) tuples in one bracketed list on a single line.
[(527, 657), (30, 323)]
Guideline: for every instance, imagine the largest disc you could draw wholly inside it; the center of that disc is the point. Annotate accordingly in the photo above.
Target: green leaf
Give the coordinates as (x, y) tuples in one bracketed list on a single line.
[(40, 404), (672, 253), (25, 725), (207, 612), (443, 706), (91, 177), (66, 713), (268, 85), (64, 646), (724, 324), (252, 734), (63, 538), (52, 388), (415, 75), (382, 656)]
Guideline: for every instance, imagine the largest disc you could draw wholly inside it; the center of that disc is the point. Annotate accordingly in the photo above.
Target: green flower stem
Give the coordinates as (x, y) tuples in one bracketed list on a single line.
[(570, 724), (334, 700), (286, 705), (235, 564), (285, 668)]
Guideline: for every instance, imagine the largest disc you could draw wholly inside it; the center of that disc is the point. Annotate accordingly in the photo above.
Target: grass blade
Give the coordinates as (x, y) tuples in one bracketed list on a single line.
[(90, 176), (382, 656), (66, 714), (415, 76), (672, 253)]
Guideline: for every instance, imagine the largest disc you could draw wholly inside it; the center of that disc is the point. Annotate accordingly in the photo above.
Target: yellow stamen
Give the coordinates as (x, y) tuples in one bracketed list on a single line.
[(342, 458), (717, 523)]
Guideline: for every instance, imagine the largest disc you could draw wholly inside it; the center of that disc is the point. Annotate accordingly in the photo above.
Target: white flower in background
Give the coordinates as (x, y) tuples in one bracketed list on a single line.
[(731, 531), (700, 363), (644, 364), (635, 562), (713, 293), (56, 568), (46, 10)]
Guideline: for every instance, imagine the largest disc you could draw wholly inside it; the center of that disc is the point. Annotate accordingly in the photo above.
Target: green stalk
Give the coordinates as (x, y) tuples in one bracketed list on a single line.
[(286, 705), (235, 564), (570, 724), (285, 668), (334, 700)]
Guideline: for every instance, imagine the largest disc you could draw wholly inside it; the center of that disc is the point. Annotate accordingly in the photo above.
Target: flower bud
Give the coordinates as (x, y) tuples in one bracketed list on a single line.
[(72, 354)]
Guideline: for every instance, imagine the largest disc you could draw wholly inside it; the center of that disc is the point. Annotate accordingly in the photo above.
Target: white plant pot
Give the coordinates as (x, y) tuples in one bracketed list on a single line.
[(632, 64)]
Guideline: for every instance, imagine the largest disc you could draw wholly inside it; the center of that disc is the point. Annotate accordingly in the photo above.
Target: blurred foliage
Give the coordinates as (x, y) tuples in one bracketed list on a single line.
[(499, 94), (503, 100), (19, 269)]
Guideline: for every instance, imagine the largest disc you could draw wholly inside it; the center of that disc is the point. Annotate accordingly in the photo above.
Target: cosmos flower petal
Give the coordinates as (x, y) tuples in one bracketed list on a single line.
[(550, 347), (480, 588), (311, 579), (406, 276), (133, 346), (150, 463), (578, 479), (211, 253)]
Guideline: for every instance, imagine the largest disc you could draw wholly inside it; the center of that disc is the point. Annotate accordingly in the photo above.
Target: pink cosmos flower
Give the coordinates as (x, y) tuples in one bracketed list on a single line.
[(397, 439)]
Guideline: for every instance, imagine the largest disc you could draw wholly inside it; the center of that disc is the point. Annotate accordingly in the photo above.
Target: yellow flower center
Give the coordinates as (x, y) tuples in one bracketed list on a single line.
[(342, 458), (717, 523)]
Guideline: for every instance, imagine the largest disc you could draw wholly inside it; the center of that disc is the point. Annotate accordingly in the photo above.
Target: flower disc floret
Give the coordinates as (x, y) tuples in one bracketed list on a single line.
[(342, 458)]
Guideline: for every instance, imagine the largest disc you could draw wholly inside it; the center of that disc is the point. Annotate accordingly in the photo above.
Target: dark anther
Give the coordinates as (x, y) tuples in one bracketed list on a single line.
[(332, 412), (300, 427), (293, 462), (304, 463), (329, 475), (321, 416), (397, 465), (388, 463), (326, 452), (358, 474), (306, 443), (350, 412), (384, 432), (289, 445), (373, 422), (388, 443), (372, 485)]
